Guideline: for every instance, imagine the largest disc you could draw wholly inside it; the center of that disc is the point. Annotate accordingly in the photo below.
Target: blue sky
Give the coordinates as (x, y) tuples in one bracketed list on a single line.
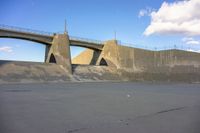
[(95, 19)]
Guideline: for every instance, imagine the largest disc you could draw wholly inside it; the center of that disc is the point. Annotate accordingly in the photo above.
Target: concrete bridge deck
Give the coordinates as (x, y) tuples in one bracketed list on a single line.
[(46, 37)]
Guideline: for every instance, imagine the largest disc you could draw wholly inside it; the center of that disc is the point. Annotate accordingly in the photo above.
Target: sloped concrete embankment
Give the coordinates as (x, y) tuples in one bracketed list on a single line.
[(33, 72), (95, 73), (29, 72)]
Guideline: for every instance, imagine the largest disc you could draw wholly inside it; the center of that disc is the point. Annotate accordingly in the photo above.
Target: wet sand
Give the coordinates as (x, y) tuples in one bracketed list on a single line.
[(100, 107)]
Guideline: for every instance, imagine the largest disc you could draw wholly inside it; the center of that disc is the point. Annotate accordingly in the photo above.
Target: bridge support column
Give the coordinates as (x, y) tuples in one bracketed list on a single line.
[(59, 52), (47, 48), (110, 54)]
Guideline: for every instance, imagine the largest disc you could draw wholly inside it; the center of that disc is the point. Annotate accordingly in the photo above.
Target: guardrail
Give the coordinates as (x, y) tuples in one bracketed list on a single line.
[(176, 46), (86, 40), (154, 48), (13, 28)]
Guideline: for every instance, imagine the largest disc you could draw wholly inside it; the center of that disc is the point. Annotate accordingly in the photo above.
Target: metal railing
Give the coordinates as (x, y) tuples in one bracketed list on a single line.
[(14, 28), (175, 46), (147, 47), (86, 40)]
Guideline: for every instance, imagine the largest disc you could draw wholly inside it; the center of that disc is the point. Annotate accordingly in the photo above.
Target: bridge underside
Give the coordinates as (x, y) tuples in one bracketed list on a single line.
[(85, 44), (43, 39)]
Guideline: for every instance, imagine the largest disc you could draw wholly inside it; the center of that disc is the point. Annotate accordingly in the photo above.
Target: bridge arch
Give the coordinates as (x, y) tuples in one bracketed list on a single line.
[(26, 39), (43, 39), (22, 50), (86, 46)]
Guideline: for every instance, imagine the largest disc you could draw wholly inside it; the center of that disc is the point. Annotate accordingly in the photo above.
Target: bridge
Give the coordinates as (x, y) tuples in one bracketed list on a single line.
[(57, 45), (46, 37)]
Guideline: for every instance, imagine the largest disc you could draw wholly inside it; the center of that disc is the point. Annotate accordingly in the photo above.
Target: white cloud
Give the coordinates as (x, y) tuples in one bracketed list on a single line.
[(145, 12), (193, 42), (190, 40), (142, 13), (192, 50), (185, 39), (6, 49), (180, 17)]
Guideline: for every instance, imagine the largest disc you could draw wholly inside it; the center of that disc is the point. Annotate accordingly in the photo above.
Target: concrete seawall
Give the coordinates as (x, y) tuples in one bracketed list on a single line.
[(138, 64), (113, 63), (140, 60)]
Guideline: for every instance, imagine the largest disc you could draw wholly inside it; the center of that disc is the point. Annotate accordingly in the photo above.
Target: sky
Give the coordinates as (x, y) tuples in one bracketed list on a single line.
[(150, 24)]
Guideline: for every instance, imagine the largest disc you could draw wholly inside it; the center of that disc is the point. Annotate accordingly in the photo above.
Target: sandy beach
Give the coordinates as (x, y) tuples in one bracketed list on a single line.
[(100, 107)]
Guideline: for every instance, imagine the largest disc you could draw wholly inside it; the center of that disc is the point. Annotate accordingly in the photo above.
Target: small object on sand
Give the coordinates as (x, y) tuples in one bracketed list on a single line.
[(128, 95)]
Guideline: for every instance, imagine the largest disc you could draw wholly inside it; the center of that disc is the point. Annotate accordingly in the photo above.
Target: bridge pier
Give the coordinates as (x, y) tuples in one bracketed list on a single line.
[(59, 52), (47, 48)]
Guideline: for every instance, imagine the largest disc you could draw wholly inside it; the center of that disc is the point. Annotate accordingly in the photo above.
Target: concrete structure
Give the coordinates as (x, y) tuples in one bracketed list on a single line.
[(139, 64), (87, 57), (57, 45), (126, 62), (59, 51), (137, 60)]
